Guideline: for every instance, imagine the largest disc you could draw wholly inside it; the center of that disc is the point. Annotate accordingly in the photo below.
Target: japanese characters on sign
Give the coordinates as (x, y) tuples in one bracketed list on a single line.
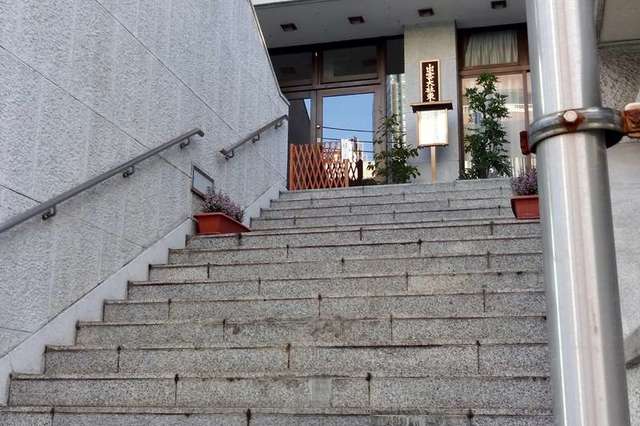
[(430, 80)]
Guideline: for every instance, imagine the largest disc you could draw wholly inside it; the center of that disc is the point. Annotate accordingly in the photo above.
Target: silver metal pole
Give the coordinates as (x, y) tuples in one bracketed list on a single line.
[(588, 374)]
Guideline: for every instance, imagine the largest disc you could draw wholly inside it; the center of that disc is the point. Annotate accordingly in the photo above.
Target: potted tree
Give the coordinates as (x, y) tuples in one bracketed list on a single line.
[(220, 215), (525, 203)]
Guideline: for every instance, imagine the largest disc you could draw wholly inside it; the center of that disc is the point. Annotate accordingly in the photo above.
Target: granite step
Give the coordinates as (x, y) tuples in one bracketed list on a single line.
[(373, 390), (427, 231), (396, 306), (383, 218), (477, 184), (486, 329), (338, 267), (402, 360), (201, 416), (406, 248), (379, 306), (183, 416), (382, 207), (396, 225), (334, 199), (363, 285)]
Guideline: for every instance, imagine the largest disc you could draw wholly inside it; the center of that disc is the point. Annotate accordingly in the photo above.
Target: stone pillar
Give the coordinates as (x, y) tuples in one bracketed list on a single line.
[(427, 42)]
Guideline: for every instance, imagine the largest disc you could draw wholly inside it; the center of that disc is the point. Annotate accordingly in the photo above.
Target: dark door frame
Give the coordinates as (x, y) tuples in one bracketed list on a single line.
[(317, 89), (321, 94)]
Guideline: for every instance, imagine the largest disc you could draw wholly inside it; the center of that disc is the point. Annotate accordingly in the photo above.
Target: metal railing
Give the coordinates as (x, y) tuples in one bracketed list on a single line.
[(48, 209), (253, 137)]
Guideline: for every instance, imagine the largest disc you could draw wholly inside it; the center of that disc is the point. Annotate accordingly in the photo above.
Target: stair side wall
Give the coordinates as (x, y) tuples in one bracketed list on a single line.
[(620, 85), (87, 85)]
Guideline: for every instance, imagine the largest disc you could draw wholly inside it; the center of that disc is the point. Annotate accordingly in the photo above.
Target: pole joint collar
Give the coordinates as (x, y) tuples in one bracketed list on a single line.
[(579, 120)]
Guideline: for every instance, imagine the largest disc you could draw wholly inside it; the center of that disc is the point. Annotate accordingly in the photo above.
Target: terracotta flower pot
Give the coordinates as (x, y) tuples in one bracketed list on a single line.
[(218, 223), (526, 207)]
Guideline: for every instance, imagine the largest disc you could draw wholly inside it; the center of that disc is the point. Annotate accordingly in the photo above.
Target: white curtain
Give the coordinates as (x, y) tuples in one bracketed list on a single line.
[(491, 48)]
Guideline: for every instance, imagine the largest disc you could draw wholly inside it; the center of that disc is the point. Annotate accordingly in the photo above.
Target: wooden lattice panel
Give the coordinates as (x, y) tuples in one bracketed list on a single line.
[(314, 166), (356, 172)]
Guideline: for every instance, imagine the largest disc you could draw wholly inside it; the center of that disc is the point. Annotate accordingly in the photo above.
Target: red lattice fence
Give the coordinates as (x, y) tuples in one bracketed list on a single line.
[(317, 166)]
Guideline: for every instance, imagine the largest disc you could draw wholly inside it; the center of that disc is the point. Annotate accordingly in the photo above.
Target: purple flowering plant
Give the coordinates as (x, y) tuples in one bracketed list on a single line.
[(219, 202), (526, 184)]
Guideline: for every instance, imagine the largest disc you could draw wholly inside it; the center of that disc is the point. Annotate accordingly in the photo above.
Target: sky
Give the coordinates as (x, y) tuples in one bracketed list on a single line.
[(349, 112)]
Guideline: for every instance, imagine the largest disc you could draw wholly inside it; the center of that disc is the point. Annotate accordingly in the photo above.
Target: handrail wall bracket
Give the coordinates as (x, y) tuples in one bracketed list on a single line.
[(254, 137)]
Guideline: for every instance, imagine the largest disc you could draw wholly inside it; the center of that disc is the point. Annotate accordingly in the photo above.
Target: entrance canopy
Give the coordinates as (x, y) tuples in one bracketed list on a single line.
[(324, 21)]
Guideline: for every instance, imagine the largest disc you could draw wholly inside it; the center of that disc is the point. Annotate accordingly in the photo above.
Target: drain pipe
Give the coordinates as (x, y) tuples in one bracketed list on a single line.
[(569, 137)]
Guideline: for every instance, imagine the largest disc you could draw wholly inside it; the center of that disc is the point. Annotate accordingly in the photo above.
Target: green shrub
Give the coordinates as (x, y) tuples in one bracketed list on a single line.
[(392, 163), (485, 142)]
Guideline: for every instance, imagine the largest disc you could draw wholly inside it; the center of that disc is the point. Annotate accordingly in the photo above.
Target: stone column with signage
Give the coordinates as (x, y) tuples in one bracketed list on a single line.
[(435, 42), (431, 113)]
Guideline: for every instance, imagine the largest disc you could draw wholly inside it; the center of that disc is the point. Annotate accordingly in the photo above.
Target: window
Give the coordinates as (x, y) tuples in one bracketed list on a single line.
[(293, 69), (491, 48), (501, 51), (350, 63), (513, 86)]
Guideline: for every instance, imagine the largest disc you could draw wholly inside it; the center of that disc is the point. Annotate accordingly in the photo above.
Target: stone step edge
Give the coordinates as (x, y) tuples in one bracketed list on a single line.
[(372, 375), (387, 194), (177, 410), (266, 298), (385, 225), (345, 259), (240, 321), (394, 203), (337, 277), (293, 299), (231, 346), (475, 209), (502, 221), (500, 181), (360, 243)]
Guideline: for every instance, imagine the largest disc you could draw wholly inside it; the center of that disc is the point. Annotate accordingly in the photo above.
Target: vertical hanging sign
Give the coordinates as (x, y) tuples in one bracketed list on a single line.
[(430, 80)]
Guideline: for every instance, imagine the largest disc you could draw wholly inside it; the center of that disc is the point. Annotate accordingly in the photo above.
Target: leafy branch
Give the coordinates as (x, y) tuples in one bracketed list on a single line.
[(392, 163)]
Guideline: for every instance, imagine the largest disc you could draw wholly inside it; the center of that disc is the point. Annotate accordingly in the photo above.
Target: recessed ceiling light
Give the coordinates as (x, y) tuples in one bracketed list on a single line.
[(289, 27), (499, 4), (356, 20), (424, 13)]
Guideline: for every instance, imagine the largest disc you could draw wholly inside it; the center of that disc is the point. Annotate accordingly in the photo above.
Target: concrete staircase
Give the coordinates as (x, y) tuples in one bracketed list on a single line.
[(379, 306)]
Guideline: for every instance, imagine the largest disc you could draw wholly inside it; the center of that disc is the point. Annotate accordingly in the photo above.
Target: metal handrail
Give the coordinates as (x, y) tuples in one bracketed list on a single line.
[(48, 208), (253, 137)]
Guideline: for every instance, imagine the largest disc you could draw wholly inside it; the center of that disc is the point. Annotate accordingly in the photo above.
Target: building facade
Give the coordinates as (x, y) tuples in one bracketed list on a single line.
[(348, 64), (87, 86)]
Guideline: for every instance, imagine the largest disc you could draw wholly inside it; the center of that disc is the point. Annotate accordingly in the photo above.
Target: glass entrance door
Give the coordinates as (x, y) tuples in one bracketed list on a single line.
[(341, 123), (347, 116)]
